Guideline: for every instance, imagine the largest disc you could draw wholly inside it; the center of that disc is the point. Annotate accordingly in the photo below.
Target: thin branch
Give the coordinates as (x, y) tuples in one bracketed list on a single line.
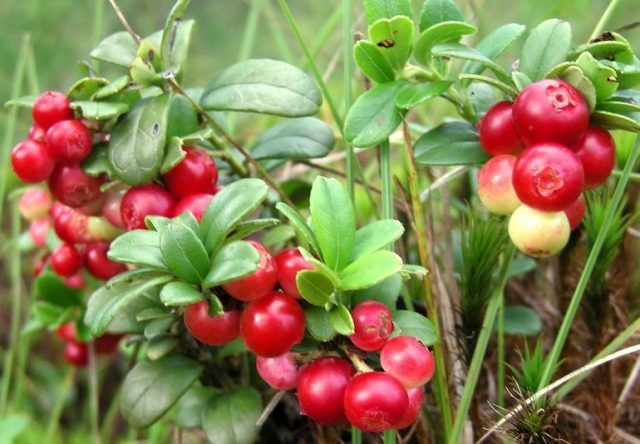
[(136, 38), (630, 384), (273, 402), (628, 27)]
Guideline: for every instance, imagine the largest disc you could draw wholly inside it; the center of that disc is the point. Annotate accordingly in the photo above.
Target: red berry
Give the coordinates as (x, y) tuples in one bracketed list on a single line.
[(38, 231), (280, 372), (538, 233), (195, 203), (497, 132), (72, 186), (65, 260), (375, 401), (69, 141), (257, 284), (36, 133), (408, 360), (321, 387), (76, 354), (550, 111), (495, 185), (597, 151), (415, 405), (107, 343), (270, 326), (196, 173), (111, 208), (373, 325), (70, 225), (288, 263), (212, 330), (67, 332), (548, 177), (31, 161), (98, 264), (75, 281), (575, 212), (142, 201), (35, 204), (49, 108)]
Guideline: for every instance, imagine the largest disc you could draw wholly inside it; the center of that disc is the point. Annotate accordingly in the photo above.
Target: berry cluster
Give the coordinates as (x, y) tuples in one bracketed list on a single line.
[(76, 351), (545, 155)]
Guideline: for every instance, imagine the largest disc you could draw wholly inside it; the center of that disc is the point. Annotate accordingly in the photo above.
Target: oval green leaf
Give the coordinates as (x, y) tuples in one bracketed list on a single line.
[(296, 139), (318, 323), (231, 418), (184, 252), (233, 261), (341, 320), (444, 32), (452, 143), (547, 45), (394, 37), (372, 62), (413, 95), (437, 11), (138, 247), (315, 287), (176, 294), (368, 270), (376, 236), (409, 323)]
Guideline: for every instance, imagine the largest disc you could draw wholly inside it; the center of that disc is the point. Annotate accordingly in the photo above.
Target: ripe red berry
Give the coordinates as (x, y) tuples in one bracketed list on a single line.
[(408, 360), (195, 203), (196, 173), (211, 330), (72, 186), (65, 260), (321, 387), (142, 201), (280, 372), (288, 263), (98, 264), (375, 401), (271, 325), (597, 151), (575, 212), (538, 233), (415, 405), (67, 332), (550, 111), (76, 354), (548, 177), (75, 281), (31, 161), (69, 224), (373, 325), (49, 108), (69, 141), (107, 343), (38, 231), (497, 132), (495, 185), (257, 284), (35, 204), (36, 133), (111, 208)]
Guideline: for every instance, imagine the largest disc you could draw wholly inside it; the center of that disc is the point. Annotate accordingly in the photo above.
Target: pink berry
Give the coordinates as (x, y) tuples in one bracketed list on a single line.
[(35, 204), (407, 359), (575, 212), (280, 372), (416, 396), (495, 185)]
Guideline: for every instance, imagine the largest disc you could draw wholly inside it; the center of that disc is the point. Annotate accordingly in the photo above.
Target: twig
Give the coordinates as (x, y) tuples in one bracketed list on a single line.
[(628, 27), (273, 402), (125, 24), (629, 386)]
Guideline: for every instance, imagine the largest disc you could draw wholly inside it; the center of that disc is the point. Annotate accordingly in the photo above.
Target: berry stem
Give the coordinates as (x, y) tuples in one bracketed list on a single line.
[(125, 24), (606, 16)]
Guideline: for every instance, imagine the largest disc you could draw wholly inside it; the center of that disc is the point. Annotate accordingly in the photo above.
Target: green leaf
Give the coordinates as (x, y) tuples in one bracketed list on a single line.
[(437, 11), (97, 162), (263, 86), (521, 320), (233, 261), (452, 143), (231, 418), (410, 269), (50, 288), (85, 88), (575, 77), (381, 9), (158, 327), (622, 107), (341, 320), (295, 139), (520, 266), (372, 62), (318, 323), (333, 221), (602, 49), (244, 229), (12, 426), (315, 287), (495, 44), (409, 323), (547, 45), (138, 247), (183, 117), (458, 51), (152, 313), (116, 86), (173, 154), (176, 37), (118, 49), (369, 269), (374, 116), (376, 236), (300, 226), (228, 208), (21, 102), (136, 148), (49, 314), (99, 110), (160, 346), (393, 37), (413, 95), (507, 89), (386, 291), (151, 388), (603, 78), (176, 294), (184, 252), (124, 320), (521, 80), (444, 32), (611, 120), (192, 405)]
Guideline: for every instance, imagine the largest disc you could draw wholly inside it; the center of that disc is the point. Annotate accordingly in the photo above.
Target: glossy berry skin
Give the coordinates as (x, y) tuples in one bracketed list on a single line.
[(575, 212), (66, 260), (67, 332), (145, 200), (321, 388), (72, 186), (35, 204), (416, 395), (495, 185), (38, 231), (211, 330), (36, 133), (98, 264), (195, 203), (280, 372), (107, 343), (408, 360), (69, 141), (271, 325), (375, 401), (288, 263), (538, 233), (31, 161), (76, 354), (257, 284), (497, 131), (548, 177), (373, 325), (597, 151), (550, 111), (196, 173), (50, 108)]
